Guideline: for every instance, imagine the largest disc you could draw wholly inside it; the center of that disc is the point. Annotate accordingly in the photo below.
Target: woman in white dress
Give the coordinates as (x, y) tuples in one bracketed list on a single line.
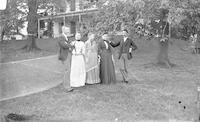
[(78, 72), (92, 63)]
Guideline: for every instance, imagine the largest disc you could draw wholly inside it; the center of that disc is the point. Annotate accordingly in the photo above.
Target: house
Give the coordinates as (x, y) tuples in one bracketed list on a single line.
[(72, 13)]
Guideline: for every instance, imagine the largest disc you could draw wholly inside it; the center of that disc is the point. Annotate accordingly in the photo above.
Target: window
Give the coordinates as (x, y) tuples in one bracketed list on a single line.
[(61, 10)]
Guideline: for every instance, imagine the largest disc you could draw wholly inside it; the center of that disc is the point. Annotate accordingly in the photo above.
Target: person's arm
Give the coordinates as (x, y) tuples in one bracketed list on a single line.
[(99, 50), (87, 45), (62, 43), (83, 49), (114, 44), (86, 49), (133, 46)]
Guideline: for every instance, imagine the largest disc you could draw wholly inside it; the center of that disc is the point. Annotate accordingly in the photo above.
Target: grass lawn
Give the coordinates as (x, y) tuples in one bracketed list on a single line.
[(154, 93), (11, 50)]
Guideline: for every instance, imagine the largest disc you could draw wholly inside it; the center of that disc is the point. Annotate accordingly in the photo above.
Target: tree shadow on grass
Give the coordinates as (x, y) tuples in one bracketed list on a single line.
[(159, 65), (17, 117)]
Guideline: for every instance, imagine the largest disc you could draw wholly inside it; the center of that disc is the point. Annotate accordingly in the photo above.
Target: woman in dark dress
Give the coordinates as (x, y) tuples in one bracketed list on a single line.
[(107, 69)]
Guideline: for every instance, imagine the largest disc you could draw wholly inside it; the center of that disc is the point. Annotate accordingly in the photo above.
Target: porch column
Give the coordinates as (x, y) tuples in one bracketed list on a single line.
[(73, 23), (79, 18), (38, 28), (64, 21)]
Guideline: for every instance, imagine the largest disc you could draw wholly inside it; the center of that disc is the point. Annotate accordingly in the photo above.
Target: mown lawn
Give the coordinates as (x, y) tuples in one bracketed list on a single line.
[(12, 50), (154, 93)]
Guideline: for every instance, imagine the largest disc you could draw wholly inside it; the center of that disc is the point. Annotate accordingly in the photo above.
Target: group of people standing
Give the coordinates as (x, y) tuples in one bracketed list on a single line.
[(91, 62)]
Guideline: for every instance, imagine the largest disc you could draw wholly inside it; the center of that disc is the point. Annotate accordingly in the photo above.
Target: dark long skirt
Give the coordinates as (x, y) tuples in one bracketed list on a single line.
[(107, 69)]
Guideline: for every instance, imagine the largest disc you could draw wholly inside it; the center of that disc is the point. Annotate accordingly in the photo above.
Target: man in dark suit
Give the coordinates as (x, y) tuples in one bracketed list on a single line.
[(125, 53), (65, 57)]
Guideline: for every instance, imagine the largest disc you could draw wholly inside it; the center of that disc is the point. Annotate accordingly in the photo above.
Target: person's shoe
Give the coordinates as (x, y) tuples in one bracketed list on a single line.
[(124, 81), (69, 90)]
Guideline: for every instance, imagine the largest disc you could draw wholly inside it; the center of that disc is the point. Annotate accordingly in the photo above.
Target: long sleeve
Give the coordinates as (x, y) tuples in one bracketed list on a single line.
[(114, 44), (87, 47), (83, 49), (62, 43), (133, 45), (99, 48), (87, 44)]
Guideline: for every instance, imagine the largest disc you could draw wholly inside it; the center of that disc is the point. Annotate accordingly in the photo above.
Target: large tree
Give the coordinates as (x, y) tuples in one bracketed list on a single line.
[(32, 24)]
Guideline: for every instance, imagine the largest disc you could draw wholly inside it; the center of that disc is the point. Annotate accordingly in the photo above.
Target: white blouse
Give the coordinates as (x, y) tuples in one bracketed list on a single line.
[(79, 48)]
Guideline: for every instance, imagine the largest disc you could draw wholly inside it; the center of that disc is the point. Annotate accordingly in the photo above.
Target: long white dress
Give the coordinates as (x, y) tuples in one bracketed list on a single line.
[(78, 71)]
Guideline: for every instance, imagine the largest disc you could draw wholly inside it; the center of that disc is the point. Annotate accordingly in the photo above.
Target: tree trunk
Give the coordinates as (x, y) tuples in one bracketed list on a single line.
[(32, 25), (2, 35), (1, 32), (31, 44), (163, 58)]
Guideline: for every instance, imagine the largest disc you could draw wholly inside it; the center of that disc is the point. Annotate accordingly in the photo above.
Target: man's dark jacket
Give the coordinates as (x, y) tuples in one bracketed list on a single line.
[(124, 47), (65, 48)]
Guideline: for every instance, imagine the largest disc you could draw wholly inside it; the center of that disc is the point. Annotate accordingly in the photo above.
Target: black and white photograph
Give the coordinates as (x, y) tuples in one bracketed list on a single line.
[(99, 60)]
